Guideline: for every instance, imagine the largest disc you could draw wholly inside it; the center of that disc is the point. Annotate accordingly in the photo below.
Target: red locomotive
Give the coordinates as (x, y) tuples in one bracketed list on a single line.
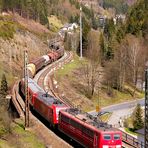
[(46, 105), (78, 125), (87, 131)]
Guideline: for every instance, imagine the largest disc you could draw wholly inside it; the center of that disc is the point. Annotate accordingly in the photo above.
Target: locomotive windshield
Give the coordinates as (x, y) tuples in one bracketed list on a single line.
[(116, 136), (107, 137)]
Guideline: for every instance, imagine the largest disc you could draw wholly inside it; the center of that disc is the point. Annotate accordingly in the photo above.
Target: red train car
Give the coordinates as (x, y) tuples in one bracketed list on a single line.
[(39, 63), (87, 131), (56, 55), (46, 105), (60, 51), (51, 56)]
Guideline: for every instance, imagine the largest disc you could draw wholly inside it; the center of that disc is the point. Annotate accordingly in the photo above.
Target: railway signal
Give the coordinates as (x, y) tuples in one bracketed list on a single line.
[(26, 89)]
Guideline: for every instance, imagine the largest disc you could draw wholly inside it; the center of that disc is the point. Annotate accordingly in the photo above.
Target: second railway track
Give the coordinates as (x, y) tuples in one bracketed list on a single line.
[(43, 78)]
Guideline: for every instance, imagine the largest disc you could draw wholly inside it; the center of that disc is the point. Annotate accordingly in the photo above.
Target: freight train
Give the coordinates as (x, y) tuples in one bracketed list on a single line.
[(37, 64), (78, 125)]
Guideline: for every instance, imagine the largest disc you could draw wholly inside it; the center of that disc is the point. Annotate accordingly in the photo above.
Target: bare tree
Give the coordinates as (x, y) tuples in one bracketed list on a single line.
[(136, 58), (91, 69), (133, 46), (121, 57)]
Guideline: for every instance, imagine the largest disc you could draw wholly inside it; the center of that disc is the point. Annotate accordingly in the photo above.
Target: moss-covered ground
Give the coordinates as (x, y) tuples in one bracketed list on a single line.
[(19, 137)]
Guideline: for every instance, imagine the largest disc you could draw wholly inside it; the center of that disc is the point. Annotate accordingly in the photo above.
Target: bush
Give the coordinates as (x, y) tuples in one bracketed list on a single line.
[(7, 29), (5, 121)]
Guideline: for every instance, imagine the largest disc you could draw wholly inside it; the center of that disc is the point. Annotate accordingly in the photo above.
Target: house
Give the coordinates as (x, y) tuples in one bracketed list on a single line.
[(68, 27)]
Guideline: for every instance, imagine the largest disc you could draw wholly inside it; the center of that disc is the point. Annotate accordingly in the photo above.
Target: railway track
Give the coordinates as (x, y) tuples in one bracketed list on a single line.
[(131, 141), (43, 78), (46, 82)]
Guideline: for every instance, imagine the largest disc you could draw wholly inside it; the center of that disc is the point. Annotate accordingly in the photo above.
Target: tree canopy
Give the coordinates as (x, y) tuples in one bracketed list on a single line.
[(137, 22), (34, 9)]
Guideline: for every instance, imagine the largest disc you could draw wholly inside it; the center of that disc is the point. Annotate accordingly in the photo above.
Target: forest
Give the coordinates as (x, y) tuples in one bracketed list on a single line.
[(32, 9)]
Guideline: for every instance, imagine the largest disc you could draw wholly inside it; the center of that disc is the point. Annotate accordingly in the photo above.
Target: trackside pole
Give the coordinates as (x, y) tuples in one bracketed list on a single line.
[(26, 89), (81, 30)]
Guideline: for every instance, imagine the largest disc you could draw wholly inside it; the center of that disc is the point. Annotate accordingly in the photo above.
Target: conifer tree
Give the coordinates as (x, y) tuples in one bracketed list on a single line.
[(137, 118), (4, 85)]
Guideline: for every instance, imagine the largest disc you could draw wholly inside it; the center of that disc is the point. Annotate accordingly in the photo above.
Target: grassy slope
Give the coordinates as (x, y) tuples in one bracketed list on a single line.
[(13, 30), (68, 75), (20, 138), (68, 68), (9, 27)]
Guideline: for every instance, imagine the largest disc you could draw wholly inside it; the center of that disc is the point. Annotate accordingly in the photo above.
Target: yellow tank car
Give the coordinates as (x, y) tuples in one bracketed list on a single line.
[(32, 69)]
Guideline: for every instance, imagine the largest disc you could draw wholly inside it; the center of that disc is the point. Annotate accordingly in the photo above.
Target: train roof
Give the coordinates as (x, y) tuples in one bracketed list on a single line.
[(49, 100), (89, 119), (34, 86)]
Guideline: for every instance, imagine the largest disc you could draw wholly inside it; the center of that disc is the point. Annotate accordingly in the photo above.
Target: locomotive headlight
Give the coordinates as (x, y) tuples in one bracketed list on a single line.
[(105, 146)]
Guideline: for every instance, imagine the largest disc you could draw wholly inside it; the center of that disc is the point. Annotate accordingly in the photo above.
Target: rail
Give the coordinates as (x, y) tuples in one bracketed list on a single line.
[(20, 107), (48, 72), (131, 140)]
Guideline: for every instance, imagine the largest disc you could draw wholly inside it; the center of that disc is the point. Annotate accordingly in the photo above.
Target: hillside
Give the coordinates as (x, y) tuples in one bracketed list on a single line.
[(24, 34)]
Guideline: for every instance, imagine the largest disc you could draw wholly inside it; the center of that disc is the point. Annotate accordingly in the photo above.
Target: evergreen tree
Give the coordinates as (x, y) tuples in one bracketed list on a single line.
[(137, 118), (34, 9), (102, 48), (137, 18), (4, 85), (109, 29), (86, 29)]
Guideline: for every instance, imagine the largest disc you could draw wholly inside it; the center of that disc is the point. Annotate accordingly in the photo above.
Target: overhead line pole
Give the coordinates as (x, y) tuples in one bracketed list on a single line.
[(81, 29), (26, 89)]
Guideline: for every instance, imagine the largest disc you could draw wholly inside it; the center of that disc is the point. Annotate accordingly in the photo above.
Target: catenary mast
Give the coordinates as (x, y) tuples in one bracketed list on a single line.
[(26, 89), (81, 29)]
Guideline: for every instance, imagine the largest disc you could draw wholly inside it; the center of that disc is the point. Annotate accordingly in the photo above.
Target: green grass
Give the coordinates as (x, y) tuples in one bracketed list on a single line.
[(105, 117), (2, 130), (27, 136), (7, 29), (118, 97), (130, 132), (4, 144), (21, 137), (68, 68)]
